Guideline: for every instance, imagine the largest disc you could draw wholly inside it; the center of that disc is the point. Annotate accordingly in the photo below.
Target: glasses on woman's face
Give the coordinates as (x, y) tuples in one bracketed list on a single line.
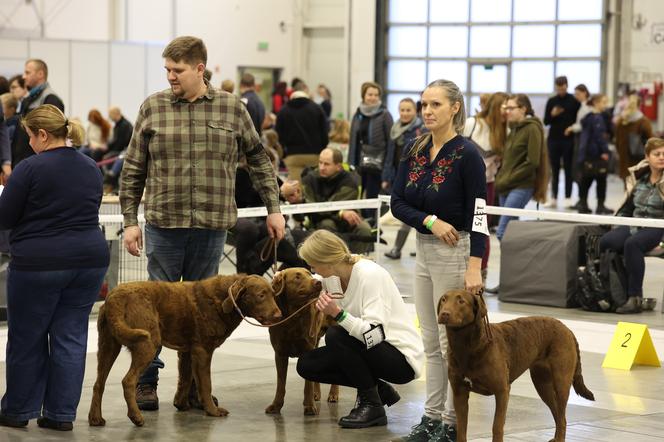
[(508, 108)]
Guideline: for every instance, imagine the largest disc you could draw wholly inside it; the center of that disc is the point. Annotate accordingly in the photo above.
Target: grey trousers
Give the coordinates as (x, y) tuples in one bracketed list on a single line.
[(438, 268)]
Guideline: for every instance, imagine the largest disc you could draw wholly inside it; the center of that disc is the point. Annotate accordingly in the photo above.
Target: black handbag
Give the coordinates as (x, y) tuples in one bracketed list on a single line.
[(372, 158), (597, 167)]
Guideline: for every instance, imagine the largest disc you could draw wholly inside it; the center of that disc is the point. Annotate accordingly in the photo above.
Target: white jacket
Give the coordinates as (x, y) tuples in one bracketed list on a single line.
[(373, 298)]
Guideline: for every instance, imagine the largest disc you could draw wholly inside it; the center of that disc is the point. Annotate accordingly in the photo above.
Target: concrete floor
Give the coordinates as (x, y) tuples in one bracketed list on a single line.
[(629, 404)]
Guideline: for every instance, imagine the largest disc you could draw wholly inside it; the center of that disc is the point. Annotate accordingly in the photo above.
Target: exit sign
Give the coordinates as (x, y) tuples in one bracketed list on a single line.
[(263, 45)]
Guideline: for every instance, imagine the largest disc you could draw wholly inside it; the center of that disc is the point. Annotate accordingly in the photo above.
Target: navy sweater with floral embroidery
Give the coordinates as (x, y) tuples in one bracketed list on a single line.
[(445, 187)]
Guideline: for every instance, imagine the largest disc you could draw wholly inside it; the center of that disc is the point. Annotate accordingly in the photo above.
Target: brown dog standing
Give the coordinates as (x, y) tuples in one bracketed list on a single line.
[(295, 287), (486, 358), (193, 318)]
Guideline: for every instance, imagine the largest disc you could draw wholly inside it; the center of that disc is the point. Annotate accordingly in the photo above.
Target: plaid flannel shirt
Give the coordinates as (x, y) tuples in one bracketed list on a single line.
[(185, 156)]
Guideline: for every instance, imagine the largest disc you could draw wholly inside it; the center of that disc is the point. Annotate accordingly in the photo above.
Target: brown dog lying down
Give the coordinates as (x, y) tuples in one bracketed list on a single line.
[(295, 287), (193, 318), (486, 358)]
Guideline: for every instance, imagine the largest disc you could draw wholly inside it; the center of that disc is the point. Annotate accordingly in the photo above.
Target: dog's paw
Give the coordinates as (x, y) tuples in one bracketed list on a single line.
[(311, 410), (217, 412), (273, 408), (137, 419), (182, 405), (333, 398), (96, 421)]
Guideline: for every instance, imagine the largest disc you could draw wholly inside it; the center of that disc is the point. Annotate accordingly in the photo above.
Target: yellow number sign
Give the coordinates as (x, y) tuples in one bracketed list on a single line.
[(631, 344)]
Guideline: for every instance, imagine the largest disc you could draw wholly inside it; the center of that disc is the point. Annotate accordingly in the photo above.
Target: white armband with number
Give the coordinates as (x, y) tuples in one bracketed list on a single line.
[(480, 223)]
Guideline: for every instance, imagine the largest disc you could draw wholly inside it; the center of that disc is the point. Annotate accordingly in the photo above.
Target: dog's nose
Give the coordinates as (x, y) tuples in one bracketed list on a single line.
[(444, 317), (277, 314)]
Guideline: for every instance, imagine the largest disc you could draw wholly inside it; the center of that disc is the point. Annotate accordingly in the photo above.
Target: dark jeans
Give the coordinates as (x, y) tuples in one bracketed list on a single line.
[(490, 195), (371, 184), (180, 254), (346, 361), (584, 187), (633, 247), (561, 149), (48, 334)]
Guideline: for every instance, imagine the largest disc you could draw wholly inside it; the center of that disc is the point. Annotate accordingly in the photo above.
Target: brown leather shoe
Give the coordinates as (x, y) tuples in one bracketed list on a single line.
[(633, 305), (146, 397)]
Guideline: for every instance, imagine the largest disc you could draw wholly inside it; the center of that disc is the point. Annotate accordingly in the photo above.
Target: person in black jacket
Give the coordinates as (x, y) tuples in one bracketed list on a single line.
[(122, 131), (560, 113), (302, 128), (255, 106), (594, 155), (35, 76)]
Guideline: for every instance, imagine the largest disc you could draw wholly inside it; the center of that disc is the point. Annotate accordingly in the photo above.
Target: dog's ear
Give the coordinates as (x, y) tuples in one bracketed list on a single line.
[(234, 293), (278, 283), (440, 305), (480, 307)]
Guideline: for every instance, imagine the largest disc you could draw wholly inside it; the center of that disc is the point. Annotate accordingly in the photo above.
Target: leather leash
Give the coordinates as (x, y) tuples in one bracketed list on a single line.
[(268, 249), (244, 318)]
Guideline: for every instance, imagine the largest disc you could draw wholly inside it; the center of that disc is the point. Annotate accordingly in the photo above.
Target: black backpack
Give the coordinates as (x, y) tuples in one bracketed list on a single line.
[(602, 281)]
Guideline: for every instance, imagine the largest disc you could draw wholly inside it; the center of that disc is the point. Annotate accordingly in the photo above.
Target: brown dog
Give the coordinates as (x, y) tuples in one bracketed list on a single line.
[(295, 287), (193, 318), (486, 358)]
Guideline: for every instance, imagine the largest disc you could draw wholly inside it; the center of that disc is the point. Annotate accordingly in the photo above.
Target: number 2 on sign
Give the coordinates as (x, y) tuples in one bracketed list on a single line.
[(628, 336)]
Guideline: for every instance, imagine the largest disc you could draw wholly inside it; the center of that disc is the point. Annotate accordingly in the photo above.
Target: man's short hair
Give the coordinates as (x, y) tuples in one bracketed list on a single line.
[(299, 85), (40, 65), (207, 75), (191, 50), (337, 156), (561, 81), (247, 80)]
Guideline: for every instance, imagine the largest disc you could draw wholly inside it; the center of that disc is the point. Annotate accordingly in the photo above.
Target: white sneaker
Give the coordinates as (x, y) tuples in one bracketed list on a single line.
[(551, 204)]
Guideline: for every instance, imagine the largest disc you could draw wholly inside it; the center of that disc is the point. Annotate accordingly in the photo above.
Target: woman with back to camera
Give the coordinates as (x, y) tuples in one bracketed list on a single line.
[(644, 199), (375, 341), (632, 131), (59, 259), (488, 130), (435, 191), (593, 155), (408, 127), (371, 150)]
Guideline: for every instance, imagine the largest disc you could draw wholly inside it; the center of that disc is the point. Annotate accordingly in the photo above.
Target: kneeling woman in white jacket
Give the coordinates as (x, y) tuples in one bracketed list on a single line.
[(375, 341)]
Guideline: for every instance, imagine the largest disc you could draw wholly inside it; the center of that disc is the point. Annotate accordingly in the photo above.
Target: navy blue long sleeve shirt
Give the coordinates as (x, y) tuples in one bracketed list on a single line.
[(51, 203), (446, 187)]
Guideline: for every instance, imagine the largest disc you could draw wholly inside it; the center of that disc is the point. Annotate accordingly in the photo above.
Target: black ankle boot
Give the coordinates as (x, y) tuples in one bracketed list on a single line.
[(583, 207), (602, 209), (395, 253), (633, 305), (388, 395), (368, 413)]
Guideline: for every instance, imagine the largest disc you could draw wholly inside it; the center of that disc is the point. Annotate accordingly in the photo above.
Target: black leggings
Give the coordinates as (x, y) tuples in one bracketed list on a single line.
[(633, 247), (346, 361), (561, 149), (587, 181)]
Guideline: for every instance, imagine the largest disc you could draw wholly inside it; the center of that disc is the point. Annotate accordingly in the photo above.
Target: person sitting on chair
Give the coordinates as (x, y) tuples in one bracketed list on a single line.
[(330, 182), (644, 199)]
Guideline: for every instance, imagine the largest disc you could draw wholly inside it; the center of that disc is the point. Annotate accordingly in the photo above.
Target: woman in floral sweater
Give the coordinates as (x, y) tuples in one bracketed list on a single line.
[(440, 177)]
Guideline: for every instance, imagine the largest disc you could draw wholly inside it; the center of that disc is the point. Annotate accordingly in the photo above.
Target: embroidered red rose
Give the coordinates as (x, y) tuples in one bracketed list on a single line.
[(438, 179), (413, 176), (421, 161)]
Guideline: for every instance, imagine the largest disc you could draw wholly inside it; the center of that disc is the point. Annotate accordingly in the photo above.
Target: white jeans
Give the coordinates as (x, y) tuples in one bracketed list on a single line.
[(438, 268)]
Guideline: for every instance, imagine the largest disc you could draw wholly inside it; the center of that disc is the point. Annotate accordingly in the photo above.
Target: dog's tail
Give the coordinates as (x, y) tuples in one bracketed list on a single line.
[(578, 384), (114, 315)]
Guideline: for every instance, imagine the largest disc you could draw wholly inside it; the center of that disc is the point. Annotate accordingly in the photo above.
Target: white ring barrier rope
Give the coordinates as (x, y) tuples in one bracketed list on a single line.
[(375, 203)]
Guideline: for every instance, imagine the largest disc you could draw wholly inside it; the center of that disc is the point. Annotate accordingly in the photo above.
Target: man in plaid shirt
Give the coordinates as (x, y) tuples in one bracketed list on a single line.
[(184, 152)]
